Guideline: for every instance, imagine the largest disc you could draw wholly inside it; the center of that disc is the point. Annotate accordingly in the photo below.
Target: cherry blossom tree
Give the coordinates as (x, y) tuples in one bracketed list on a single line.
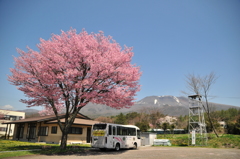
[(71, 70)]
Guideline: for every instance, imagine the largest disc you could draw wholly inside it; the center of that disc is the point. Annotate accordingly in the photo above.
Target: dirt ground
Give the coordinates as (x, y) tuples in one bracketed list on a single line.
[(149, 153)]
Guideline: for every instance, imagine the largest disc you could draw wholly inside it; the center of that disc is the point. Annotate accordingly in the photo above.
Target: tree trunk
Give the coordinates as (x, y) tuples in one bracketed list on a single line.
[(210, 120), (209, 117), (64, 140)]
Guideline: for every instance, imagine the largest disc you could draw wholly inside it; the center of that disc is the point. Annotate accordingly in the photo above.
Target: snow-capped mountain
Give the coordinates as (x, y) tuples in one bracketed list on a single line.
[(164, 100), (168, 105)]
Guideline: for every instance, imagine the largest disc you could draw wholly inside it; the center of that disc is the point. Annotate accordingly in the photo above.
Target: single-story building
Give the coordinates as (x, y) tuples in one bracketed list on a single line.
[(46, 129)]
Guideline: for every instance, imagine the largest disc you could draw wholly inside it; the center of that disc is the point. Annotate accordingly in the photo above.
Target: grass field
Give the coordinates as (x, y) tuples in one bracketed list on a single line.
[(224, 141), (36, 148)]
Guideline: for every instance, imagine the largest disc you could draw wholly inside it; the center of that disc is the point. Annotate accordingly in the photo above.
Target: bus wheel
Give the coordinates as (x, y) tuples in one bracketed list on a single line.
[(117, 147), (135, 146)]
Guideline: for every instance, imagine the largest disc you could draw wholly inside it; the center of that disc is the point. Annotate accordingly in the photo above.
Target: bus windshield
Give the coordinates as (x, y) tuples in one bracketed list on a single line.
[(99, 126)]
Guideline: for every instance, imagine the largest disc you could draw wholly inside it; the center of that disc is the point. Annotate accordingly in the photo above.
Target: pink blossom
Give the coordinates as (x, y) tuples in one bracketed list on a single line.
[(71, 70)]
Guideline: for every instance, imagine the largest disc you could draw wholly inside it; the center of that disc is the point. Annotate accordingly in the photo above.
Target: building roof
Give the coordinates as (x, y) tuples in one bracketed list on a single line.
[(11, 111), (77, 121), (195, 96), (46, 118)]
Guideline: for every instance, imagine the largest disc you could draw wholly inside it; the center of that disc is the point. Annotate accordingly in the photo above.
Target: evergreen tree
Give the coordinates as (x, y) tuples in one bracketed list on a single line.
[(144, 126), (121, 119), (165, 126), (172, 127)]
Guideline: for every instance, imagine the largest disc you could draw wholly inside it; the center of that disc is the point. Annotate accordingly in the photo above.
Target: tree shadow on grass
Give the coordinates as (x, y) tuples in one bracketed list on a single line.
[(78, 152), (20, 147)]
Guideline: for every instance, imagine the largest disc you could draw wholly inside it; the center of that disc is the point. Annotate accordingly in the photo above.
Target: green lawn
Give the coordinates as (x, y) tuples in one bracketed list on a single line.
[(224, 141), (50, 149)]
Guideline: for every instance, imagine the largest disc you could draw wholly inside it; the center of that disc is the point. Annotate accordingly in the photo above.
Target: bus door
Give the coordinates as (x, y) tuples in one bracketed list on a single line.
[(114, 132), (110, 136)]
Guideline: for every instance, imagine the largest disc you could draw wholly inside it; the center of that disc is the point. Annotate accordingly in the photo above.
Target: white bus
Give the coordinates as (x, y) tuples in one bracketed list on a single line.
[(115, 136)]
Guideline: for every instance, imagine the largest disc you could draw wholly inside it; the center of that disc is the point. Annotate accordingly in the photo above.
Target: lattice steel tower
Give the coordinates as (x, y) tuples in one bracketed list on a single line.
[(197, 127)]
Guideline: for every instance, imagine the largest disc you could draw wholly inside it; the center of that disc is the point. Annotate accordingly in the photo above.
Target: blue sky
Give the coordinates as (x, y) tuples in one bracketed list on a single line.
[(171, 38)]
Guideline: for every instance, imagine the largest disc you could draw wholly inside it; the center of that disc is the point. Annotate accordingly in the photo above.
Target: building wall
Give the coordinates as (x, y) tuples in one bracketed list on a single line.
[(6, 116), (53, 138), (148, 138)]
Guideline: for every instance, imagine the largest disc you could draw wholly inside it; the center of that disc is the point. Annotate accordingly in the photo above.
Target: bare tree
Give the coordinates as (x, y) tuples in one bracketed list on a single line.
[(201, 85)]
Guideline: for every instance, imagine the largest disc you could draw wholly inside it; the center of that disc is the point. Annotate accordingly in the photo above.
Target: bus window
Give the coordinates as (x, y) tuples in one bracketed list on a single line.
[(138, 134), (124, 131), (132, 131), (110, 130), (99, 126), (119, 130), (114, 130)]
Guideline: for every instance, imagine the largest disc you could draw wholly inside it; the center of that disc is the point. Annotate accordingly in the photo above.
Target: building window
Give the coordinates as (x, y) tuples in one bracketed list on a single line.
[(31, 132), (43, 131), (54, 130), (13, 118), (6, 117), (20, 129), (75, 130), (19, 117), (3, 128)]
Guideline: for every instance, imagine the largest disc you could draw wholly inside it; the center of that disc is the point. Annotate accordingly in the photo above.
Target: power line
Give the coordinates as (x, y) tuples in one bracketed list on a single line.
[(224, 97)]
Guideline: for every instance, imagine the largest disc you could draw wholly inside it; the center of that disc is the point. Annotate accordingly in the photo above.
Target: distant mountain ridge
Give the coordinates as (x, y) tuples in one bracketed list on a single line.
[(29, 110), (164, 100), (168, 105)]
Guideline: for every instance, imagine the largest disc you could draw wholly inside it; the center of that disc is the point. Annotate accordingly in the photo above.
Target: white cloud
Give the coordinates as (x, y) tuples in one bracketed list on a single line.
[(8, 107)]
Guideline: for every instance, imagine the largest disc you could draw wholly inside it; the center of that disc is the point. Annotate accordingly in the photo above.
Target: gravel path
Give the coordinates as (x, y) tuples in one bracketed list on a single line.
[(149, 153)]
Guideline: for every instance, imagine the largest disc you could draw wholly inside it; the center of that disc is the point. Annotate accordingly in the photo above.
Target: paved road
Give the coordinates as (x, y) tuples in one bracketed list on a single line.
[(150, 153)]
